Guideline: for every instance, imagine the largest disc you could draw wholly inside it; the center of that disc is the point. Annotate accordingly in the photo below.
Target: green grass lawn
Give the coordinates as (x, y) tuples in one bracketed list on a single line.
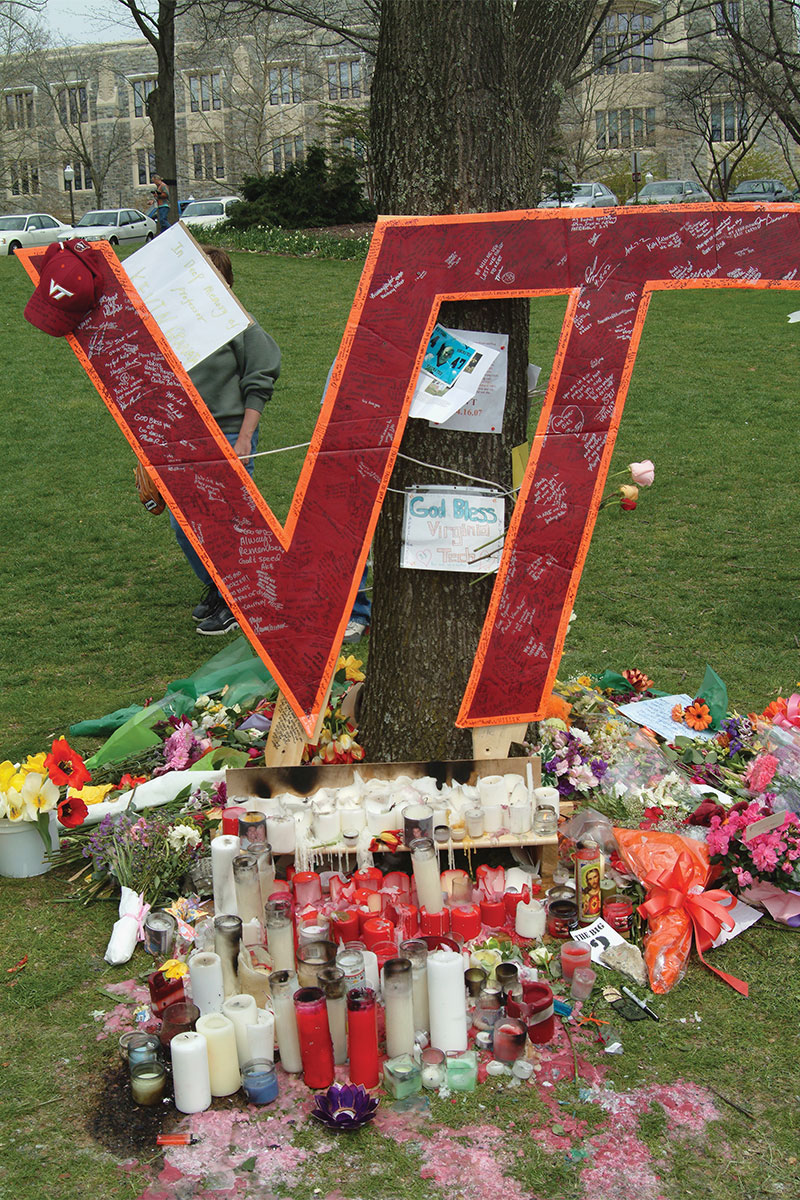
[(95, 615)]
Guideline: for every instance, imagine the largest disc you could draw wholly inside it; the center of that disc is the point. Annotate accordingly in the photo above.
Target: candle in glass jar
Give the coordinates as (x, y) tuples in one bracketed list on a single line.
[(252, 829), (283, 985), (426, 875), (618, 912), (159, 934), (574, 954), (247, 886), (448, 1014), (362, 1037), (316, 1047), (434, 1068), (148, 1082), (334, 985), (224, 849), (142, 1047), (164, 991), (398, 1006), (223, 1061), (190, 1075), (510, 1036), (416, 951), (350, 960), (259, 1081), (280, 933), (227, 940)]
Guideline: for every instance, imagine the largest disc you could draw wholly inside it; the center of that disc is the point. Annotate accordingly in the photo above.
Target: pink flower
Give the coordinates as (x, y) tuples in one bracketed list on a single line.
[(744, 877), (642, 473), (760, 773)]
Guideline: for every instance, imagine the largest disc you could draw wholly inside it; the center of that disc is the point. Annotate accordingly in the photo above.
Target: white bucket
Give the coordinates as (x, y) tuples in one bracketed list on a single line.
[(22, 852)]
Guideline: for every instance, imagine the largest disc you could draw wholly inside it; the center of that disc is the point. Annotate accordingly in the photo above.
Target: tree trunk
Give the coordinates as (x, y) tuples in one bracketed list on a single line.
[(444, 136), (161, 103)]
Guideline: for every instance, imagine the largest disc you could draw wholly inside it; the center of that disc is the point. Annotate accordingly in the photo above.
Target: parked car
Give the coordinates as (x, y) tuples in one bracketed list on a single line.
[(671, 191), (584, 195), (153, 212), (31, 229), (116, 225), (751, 191), (209, 212)]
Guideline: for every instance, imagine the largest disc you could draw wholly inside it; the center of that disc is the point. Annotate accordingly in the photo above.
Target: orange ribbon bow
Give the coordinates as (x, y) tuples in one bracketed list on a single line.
[(669, 889)]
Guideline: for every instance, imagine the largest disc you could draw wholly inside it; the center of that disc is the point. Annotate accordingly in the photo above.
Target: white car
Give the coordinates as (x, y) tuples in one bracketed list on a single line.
[(671, 191), (584, 195), (209, 212), (31, 229), (116, 225)]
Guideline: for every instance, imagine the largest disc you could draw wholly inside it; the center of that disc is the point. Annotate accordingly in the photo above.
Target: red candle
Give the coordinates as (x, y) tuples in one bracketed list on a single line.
[(316, 1047), (369, 878), (362, 1037), (434, 924), (164, 992), (466, 920), (619, 915), (344, 926), (230, 819), (511, 900), (397, 881), (541, 1021), (406, 918), (307, 887), (375, 930), (383, 951), (493, 913), (574, 954)]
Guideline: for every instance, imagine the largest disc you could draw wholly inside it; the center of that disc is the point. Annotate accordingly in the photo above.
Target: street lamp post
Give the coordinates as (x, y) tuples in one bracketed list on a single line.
[(69, 175)]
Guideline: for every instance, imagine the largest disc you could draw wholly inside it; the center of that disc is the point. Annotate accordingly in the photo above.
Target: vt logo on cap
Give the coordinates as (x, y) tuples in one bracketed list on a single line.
[(70, 284)]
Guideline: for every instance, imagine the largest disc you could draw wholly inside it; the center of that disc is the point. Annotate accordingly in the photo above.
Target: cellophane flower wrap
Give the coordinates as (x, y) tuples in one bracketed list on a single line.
[(675, 870)]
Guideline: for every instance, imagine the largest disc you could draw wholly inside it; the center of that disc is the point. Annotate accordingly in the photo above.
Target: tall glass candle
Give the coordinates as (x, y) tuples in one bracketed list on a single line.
[(311, 958), (416, 951), (283, 985), (426, 875), (417, 822), (223, 1061), (333, 984), (280, 933), (227, 940), (241, 1011), (224, 849), (362, 1036), (248, 888), (266, 869), (190, 1075), (205, 974), (446, 1000), (351, 961), (316, 1047), (252, 829), (398, 1006)]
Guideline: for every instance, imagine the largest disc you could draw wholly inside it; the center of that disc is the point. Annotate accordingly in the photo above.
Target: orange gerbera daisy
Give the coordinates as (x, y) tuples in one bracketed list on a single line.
[(697, 715), (677, 713), (774, 708)]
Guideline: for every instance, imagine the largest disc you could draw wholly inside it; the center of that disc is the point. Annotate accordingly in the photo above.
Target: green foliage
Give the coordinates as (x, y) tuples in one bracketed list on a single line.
[(261, 239), (307, 195)]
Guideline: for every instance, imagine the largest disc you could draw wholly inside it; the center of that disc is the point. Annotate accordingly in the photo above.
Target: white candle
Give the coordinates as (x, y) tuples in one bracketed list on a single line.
[(261, 1036), (448, 1013), (326, 824), (280, 943), (352, 817), (548, 797), (252, 932), (371, 972), (241, 1011), (492, 790), (224, 849), (419, 997), (426, 876), (399, 1007), (205, 974), (493, 816), (337, 1023), (529, 921), (223, 1061), (190, 1074), (281, 834), (286, 1034), (519, 817)]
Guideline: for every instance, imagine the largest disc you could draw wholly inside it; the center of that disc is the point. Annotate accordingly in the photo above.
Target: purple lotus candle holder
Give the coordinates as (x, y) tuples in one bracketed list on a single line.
[(344, 1106)]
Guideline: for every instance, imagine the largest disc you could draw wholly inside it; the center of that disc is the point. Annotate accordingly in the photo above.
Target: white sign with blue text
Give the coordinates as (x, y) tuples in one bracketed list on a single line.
[(453, 529)]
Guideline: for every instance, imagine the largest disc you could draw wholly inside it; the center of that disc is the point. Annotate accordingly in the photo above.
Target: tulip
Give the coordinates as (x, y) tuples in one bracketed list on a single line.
[(628, 505), (642, 473), (628, 492)]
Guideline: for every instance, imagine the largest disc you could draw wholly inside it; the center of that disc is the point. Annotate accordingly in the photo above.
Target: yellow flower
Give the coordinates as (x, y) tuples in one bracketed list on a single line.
[(89, 794), (12, 804), (352, 668), (173, 968), (584, 681), (629, 492)]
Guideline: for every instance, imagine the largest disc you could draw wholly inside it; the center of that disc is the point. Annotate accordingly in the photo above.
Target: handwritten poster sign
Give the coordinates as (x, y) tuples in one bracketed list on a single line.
[(446, 529), (292, 585)]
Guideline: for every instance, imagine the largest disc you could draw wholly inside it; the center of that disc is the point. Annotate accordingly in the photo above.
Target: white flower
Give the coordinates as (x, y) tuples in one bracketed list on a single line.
[(181, 836), (39, 794), (581, 736)]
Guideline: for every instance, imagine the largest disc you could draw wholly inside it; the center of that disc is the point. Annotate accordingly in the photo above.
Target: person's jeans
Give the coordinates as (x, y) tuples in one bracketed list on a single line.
[(192, 557), (362, 606)]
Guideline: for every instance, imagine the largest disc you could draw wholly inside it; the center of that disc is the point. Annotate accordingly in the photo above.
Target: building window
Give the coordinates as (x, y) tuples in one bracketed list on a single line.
[(83, 178), (286, 151), (205, 92), (24, 179), (145, 165), (726, 18), (19, 110), (624, 44), (344, 80), (73, 107), (209, 160), (728, 124), (141, 90), (620, 128), (284, 85)]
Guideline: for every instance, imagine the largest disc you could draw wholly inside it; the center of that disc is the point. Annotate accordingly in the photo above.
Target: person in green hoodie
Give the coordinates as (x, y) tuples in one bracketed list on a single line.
[(235, 381)]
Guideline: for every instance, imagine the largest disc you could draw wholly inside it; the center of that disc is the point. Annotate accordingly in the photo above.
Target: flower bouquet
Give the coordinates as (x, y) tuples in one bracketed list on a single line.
[(757, 853), (43, 786)]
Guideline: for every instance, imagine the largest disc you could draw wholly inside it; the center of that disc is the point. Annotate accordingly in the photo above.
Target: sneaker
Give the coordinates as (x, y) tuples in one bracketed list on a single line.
[(355, 631), (220, 621), (209, 602)]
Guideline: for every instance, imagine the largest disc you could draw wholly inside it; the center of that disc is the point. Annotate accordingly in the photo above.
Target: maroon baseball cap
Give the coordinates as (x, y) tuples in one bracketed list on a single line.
[(70, 284)]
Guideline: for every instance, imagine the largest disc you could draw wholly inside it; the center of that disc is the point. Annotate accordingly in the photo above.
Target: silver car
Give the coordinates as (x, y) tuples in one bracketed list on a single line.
[(116, 225), (584, 195), (31, 229), (671, 191)]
